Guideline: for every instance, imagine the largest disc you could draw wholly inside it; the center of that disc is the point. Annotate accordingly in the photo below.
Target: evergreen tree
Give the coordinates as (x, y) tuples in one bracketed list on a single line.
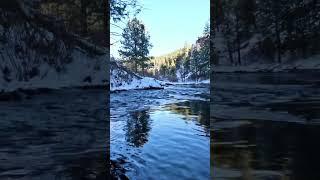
[(272, 13), (135, 44)]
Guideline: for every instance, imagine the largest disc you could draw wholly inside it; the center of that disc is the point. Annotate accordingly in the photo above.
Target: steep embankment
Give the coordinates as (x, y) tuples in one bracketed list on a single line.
[(123, 79), (254, 61), (267, 36), (37, 52)]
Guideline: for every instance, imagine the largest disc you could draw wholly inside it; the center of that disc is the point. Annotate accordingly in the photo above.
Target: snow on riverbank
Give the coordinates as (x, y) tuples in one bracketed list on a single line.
[(311, 63), (137, 83), (84, 70), (206, 81), (37, 55), (123, 79)]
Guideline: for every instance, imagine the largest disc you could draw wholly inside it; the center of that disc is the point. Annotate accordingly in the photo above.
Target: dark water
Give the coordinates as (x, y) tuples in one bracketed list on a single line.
[(161, 134), (265, 126), (58, 135)]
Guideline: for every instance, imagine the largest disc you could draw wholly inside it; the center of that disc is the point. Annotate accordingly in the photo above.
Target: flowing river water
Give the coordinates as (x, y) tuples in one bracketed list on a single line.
[(161, 134), (265, 126), (261, 126), (60, 134)]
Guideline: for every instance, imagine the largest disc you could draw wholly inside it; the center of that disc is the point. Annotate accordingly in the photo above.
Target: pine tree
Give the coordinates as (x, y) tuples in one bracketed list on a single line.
[(135, 44), (272, 14)]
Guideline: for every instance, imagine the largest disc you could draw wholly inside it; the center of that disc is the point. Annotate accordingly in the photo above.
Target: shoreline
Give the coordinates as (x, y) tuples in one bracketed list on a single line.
[(295, 67), (20, 94), (146, 88), (27, 93), (267, 71)]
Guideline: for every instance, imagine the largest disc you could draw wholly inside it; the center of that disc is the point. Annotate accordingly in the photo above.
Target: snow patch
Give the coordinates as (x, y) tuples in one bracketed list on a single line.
[(123, 79)]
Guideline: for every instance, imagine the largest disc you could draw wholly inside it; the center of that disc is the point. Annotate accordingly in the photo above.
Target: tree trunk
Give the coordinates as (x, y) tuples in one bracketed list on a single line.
[(277, 9), (238, 39), (106, 24), (278, 40), (136, 66), (83, 19), (230, 52)]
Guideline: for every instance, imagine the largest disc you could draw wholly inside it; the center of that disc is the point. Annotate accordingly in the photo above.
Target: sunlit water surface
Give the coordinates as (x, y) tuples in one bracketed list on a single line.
[(161, 134)]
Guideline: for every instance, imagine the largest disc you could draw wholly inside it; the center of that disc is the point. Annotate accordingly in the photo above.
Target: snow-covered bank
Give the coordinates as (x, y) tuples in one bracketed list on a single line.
[(206, 81), (123, 79), (82, 71), (35, 55), (311, 63)]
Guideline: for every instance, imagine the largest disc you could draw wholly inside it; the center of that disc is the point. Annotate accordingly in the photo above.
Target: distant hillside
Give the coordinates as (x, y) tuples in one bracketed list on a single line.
[(190, 63), (165, 66)]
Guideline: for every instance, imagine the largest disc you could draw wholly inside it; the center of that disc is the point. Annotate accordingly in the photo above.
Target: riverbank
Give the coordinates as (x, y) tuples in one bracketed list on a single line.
[(136, 83), (308, 64), (25, 93), (206, 81), (122, 79)]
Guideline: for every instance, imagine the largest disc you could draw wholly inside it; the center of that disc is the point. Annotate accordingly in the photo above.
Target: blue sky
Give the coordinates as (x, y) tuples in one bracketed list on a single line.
[(170, 23)]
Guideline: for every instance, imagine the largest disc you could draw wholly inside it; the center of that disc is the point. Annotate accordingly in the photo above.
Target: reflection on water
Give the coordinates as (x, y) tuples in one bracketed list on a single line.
[(189, 109), (165, 137), (265, 148), (138, 127), (277, 149)]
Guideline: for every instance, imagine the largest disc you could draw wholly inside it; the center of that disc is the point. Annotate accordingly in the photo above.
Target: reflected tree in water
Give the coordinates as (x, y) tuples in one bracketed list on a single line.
[(193, 108), (137, 128)]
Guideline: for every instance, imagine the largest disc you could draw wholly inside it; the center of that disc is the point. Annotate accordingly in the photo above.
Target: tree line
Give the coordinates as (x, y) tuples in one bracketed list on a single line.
[(187, 63), (38, 32), (277, 28), (85, 18)]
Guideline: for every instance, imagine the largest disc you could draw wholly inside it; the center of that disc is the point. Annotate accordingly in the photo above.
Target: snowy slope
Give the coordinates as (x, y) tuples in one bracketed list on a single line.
[(123, 79), (33, 56), (254, 61), (81, 72), (84, 69)]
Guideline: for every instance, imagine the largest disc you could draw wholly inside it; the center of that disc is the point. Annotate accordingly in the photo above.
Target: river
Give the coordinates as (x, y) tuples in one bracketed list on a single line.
[(265, 126), (60, 134), (261, 126), (161, 134)]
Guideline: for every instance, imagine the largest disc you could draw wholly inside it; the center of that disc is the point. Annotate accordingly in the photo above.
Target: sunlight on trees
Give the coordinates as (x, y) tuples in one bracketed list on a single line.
[(135, 45)]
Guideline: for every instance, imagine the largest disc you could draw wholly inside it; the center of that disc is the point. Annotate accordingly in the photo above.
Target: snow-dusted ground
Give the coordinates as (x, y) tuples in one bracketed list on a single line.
[(180, 82), (206, 81), (311, 63), (123, 79), (137, 83), (36, 57), (82, 71), (252, 60)]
